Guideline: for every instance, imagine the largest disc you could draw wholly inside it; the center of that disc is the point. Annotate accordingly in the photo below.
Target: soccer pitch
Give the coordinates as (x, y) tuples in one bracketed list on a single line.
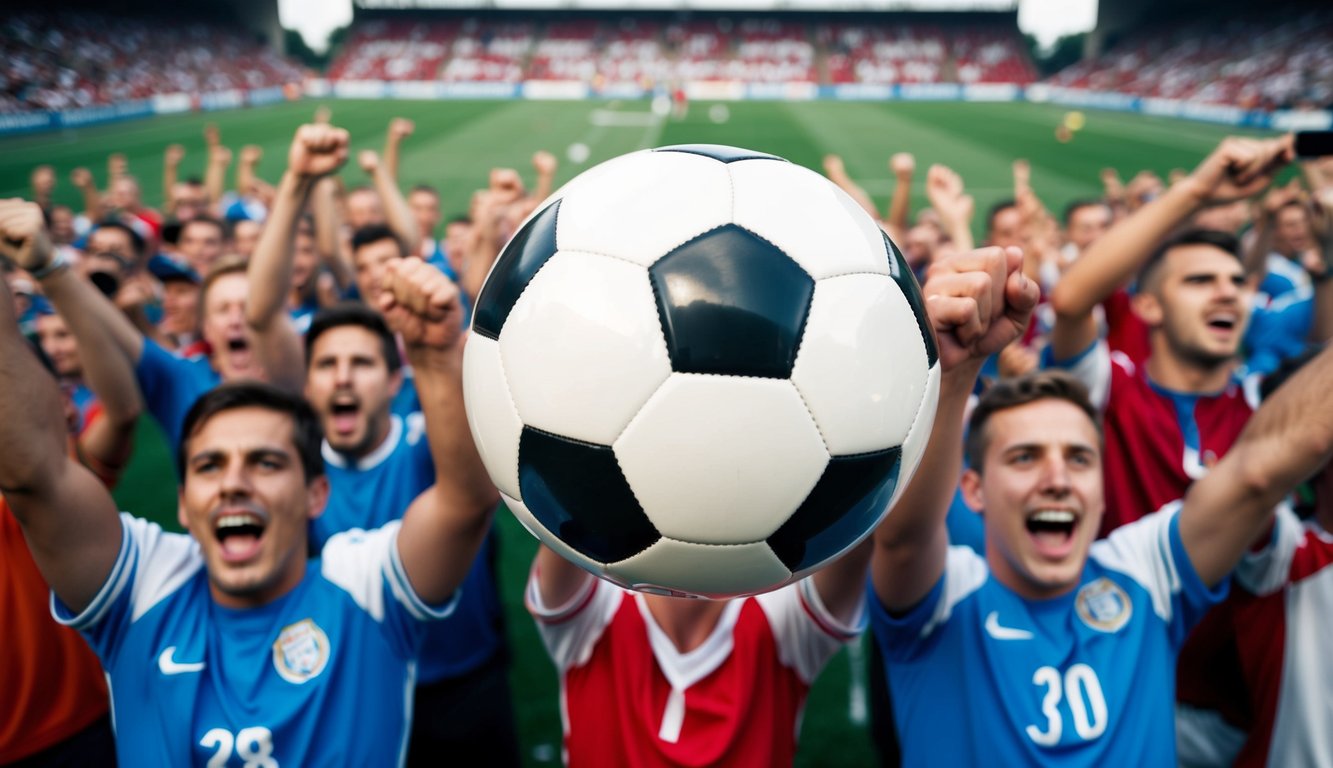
[(456, 143)]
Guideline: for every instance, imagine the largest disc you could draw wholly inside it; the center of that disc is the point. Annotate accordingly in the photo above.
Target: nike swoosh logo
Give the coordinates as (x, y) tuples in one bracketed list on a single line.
[(998, 632), (170, 666)]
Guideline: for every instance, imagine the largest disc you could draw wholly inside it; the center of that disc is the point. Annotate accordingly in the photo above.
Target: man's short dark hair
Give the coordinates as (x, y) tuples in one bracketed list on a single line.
[(136, 239), (1021, 390), (996, 210), (428, 189), (1224, 241), (352, 313), (205, 219), (1078, 205), (307, 436), (373, 233)]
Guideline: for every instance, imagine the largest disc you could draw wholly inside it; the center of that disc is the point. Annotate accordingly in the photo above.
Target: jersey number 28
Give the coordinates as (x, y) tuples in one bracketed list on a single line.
[(253, 745)]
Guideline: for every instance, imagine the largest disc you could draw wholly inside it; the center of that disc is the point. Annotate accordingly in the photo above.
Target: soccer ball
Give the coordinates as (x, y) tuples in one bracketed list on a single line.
[(700, 371)]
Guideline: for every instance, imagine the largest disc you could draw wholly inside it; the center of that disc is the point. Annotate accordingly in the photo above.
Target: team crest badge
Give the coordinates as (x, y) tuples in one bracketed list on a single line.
[(301, 651), (1103, 605)]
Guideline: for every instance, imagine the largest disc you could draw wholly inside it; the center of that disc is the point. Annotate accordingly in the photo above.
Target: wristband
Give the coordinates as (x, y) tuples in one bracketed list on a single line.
[(58, 263), (1319, 278)]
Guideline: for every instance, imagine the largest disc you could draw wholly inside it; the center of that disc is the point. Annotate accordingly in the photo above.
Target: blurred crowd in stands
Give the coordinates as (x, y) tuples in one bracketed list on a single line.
[(65, 60), (54, 61), (1259, 62)]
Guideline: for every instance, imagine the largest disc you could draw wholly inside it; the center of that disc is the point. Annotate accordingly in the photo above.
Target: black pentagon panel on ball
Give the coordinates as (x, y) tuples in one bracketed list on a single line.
[(720, 152), (577, 491), (532, 247), (732, 304), (846, 501), (912, 290)]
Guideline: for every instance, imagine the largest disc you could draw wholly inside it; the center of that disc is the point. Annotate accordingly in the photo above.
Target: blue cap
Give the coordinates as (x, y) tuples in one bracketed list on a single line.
[(40, 306), (165, 268)]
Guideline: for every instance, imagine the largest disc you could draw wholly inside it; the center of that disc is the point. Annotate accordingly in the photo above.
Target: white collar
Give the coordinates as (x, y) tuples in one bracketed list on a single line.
[(372, 459), (683, 670)]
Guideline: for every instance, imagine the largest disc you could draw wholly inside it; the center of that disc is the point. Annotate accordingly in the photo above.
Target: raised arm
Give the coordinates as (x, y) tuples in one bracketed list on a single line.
[(246, 180), (896, 218), (171, 164), (68, 517), (101, 329), (978, 302), (219, 159), (1286, 441), (836, 172), (82, 179), (116, 167), (399, 128), (944, 188), (316, 151), (43, 179), (397, 214), (328, 224), (445, 525), (1237, 169), (545, 164)]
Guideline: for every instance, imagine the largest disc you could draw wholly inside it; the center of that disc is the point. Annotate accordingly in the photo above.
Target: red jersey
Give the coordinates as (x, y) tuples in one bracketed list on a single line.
[(1280, 621), (52, 685), (1125, 332), (628, 697), (1157, 441), (47, 669)]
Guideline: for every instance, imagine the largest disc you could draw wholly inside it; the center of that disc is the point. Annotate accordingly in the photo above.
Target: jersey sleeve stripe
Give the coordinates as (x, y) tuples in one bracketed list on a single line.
[(964, 573), (814, 608), (402, 589), (116, 582), (562, 613)]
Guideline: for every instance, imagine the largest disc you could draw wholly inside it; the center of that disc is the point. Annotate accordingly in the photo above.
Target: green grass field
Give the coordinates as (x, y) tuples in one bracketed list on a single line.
[(455, 145)]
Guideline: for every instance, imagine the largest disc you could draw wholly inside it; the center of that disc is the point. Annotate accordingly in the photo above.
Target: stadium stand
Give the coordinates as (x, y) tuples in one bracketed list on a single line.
[(755, 48), (53, 61), (1260, 61)]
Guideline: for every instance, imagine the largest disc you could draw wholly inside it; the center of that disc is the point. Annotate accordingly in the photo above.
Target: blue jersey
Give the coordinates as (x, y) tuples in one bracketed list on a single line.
[(171, 384), (1088, 678), (302, 316), (321, 676), (1279, 329), (378, 488)]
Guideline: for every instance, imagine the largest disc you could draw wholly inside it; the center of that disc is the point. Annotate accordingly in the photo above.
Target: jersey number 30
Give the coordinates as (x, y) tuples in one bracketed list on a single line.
[(1086, 703), (253, 745)]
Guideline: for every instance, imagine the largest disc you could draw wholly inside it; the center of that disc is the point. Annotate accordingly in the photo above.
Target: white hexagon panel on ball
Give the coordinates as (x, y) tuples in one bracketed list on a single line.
[(583, 347), (491, 416), (642, 205), (862, 364), (721, 459), (815, 223)]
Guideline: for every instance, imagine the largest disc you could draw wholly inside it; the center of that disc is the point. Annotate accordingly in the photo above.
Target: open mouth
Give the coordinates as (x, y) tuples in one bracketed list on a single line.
[(343, 416), (239, 533), (1222, 322), (1052, 530)]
